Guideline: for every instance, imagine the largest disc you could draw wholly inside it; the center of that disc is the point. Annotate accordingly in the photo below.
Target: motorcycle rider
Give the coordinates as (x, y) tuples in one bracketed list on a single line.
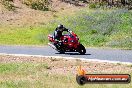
[(58, 33)]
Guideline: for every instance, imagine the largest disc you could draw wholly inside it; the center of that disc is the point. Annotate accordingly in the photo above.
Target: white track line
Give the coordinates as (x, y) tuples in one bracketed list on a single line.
[(60, 57)]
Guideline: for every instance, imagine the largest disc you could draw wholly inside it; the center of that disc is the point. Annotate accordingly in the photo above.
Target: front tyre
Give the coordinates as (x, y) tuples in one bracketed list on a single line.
[(81, 49)]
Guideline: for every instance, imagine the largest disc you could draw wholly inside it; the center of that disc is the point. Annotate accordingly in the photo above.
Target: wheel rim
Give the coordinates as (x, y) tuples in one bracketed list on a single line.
[(82, 51)]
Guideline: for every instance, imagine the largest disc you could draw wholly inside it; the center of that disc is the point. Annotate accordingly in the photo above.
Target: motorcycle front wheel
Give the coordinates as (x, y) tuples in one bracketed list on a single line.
[(81, 49)]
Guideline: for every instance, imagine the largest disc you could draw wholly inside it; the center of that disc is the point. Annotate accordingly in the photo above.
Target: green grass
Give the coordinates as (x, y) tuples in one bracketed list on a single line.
[(24, 36), (105, 28), (36, 75), (95, 28)]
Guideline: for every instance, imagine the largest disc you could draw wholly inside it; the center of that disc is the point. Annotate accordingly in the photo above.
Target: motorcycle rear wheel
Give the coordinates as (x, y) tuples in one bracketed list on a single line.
[(61, 52), (60, 49)]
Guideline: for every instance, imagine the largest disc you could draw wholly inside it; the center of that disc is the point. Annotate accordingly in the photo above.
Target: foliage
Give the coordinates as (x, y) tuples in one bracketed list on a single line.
[(95, 28), (92, 5), (111, 4), (8, 5), (75, 2), (8, 0), (101, 27), (38, 4)]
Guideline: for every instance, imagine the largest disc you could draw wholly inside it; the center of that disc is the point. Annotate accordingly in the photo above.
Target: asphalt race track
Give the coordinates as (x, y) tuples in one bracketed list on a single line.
[(92, 53)]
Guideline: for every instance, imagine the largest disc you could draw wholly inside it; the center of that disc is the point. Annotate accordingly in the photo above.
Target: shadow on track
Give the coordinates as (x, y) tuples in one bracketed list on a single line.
[(72, 54)]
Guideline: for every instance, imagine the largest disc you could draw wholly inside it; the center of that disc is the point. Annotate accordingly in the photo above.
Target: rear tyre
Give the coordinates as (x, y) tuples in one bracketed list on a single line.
[(60, 49), (81, 49), (61, 52)]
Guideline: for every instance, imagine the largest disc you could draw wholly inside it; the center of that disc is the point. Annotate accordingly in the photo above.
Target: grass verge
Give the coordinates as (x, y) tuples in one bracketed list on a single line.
[(95, 28), (32, 72)]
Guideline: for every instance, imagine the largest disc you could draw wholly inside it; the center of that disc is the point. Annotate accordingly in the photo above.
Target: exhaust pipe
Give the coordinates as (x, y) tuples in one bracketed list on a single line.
[(51, 45)]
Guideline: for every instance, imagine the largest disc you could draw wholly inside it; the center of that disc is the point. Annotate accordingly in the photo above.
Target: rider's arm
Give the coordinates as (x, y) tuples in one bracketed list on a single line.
[(65, 29)]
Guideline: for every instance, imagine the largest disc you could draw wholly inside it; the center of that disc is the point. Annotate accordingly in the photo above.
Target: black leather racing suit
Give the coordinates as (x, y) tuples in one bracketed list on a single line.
[(57, 35)]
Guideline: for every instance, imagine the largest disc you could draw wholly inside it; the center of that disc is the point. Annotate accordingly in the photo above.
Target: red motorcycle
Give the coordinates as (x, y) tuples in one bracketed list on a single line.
[(69, 43)]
